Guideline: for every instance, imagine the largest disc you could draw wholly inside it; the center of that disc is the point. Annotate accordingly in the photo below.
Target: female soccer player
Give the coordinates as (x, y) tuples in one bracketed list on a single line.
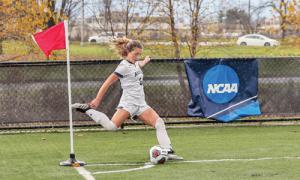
[(132, 102)]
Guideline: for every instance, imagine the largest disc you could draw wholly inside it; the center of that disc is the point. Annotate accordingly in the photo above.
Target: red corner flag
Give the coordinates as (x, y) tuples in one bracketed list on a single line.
[(51, 39)]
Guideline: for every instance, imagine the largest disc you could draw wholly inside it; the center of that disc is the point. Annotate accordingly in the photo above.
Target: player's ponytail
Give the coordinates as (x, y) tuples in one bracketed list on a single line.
[(124, 45)]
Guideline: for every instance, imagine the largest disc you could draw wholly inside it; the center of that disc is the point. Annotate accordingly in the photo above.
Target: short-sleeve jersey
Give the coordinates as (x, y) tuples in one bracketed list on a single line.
[(131, 77)]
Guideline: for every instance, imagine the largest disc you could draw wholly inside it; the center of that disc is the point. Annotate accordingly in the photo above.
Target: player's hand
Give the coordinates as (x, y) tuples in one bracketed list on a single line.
[(94, 103), (147, 59)]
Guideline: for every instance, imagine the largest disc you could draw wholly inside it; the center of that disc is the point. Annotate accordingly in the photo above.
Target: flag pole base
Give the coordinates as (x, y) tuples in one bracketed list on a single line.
[(72, 162)]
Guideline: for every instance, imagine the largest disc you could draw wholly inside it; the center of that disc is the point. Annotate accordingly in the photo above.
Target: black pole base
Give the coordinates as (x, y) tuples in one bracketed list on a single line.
[(72, 162)]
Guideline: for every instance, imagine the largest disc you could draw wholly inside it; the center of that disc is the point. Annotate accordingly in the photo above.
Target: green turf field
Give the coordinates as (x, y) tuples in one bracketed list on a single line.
[(36, 156), (18, 51)]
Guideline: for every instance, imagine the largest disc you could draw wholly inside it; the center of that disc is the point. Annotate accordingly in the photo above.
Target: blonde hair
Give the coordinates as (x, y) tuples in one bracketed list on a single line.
[(123, 46)]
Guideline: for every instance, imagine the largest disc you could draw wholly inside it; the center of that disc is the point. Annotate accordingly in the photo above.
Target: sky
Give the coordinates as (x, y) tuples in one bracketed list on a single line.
[(213, 7)]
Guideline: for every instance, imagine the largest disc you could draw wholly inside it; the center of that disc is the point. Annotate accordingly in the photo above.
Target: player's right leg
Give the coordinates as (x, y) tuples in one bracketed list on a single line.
[(119, 117), (151, 118)]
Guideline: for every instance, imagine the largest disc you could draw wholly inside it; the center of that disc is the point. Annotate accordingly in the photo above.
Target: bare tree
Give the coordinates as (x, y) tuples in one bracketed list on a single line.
[(67, 9), (237, 16), (173, 29), (111, 17), (129, 7), (256, 14), (70, 9), (108, 15), (133, 15), (167, 8), (150, 7), (194, 7), (102, 15)]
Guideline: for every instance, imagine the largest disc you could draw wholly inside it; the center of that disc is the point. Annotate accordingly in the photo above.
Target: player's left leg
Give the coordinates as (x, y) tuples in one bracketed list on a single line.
[(97, 116), (150, 117)]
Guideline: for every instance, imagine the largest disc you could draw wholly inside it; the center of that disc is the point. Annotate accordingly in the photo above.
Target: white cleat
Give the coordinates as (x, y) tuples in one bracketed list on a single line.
[(81, 107), (174, 157)]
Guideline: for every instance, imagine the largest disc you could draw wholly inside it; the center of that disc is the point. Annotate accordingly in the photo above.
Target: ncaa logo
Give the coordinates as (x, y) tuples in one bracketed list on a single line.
[(220, 84)]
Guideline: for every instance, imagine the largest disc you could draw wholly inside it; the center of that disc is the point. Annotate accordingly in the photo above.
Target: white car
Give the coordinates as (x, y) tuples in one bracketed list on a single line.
[(103, 38), (256, 40)]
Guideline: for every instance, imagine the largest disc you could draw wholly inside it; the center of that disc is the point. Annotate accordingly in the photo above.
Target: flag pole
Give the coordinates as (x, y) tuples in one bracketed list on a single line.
[(72, 161)]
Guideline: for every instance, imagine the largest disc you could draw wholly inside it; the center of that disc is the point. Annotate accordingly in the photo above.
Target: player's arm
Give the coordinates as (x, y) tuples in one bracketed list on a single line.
[(107, 83), (144, 62)]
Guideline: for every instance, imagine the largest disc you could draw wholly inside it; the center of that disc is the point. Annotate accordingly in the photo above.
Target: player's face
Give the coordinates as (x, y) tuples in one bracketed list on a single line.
[(135, 54)]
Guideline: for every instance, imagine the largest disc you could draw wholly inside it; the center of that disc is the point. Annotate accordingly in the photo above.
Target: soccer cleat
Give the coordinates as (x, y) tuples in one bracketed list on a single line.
[(81, 107), (172, 156)]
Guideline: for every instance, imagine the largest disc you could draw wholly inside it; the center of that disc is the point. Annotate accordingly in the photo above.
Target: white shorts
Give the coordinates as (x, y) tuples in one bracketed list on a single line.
[(134, 110)]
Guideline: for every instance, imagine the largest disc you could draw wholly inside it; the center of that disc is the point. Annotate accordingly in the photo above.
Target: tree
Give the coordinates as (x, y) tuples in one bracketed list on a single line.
[(19, 19), (237, 16), (69, 8), (167, 8), (294, 15), (147, 19), (194, 7), (282, 8), (107, 15), (2, 18), (111, 18), (102, 15), (131, 14)]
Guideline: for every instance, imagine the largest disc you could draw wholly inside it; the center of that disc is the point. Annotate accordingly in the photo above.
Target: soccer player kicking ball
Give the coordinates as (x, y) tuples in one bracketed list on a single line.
[(132, 101)]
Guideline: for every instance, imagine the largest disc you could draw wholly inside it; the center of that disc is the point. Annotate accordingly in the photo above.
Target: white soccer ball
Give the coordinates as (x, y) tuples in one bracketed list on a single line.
[(158, 155)]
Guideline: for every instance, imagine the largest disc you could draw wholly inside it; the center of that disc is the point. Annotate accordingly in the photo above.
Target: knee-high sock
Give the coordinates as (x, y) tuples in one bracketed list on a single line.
[(102, 119), (162, 135)]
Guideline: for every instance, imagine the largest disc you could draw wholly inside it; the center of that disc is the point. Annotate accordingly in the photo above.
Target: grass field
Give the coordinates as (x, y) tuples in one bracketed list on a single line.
[(36, 156), (16, 50)]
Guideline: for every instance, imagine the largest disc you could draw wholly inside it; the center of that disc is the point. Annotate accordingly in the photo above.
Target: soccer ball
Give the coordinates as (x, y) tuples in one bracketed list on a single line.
[(158, 155)]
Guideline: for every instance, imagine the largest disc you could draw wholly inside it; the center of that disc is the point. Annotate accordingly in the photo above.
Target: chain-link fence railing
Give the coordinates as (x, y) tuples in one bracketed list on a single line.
[(36, 93)]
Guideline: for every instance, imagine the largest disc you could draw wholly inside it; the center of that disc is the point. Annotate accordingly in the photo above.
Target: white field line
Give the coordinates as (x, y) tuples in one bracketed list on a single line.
[(88, 175), (117, 164), (234, 160), (85, 173), (146, 166)]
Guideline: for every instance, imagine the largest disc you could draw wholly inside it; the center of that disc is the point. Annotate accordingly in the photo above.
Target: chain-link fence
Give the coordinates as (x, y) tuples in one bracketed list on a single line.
[(36, 93)]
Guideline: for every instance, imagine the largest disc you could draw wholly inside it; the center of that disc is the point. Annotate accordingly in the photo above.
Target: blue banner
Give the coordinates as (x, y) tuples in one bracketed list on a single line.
[(224, 90)]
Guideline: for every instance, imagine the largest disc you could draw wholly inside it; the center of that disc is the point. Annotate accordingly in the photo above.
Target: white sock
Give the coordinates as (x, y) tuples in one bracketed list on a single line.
[(162, 135), (102, 119)]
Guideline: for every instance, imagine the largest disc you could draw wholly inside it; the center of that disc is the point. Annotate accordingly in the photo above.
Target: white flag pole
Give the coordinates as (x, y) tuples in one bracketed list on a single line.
[(72, 161)]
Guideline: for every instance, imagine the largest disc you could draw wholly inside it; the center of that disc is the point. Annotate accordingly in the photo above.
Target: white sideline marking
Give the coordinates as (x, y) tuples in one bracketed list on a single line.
[(89, 175), (85, 173), (227, 160), (146, 166), (116, 164)]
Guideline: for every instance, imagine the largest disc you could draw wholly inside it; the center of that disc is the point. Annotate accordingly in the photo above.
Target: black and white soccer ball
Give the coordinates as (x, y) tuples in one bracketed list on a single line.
[(158, 155)]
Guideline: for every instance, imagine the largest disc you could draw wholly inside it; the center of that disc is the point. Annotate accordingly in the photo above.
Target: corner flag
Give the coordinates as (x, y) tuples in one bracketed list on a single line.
[(55, 38), (51, 39)]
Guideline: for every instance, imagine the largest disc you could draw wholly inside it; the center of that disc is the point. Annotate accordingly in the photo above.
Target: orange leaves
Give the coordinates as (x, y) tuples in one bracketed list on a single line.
[(22, 18)]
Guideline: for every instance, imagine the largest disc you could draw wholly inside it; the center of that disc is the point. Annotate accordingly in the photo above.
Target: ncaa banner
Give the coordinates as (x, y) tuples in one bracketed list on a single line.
[(224, 90)]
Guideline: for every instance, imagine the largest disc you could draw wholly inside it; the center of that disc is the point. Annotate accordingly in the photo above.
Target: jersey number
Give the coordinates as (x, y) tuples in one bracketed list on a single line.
[(141, 81)]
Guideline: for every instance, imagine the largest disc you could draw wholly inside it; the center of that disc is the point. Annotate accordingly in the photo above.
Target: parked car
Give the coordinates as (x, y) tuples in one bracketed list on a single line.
[(104, 37), (256, 40)]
